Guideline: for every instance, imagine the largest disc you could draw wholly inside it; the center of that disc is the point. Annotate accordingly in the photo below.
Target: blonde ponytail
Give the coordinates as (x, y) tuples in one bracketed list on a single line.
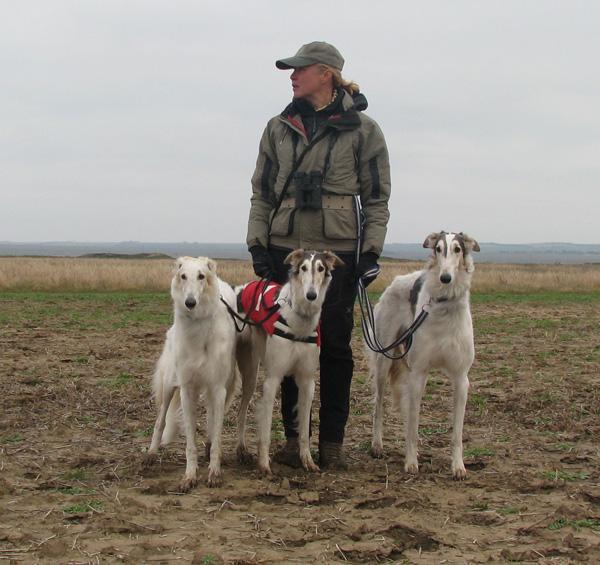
[(349, 86)]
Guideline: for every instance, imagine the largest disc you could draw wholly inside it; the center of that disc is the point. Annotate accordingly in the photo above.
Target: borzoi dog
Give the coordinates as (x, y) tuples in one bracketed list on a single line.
[(443, 341), (289, 347), (198, 355)]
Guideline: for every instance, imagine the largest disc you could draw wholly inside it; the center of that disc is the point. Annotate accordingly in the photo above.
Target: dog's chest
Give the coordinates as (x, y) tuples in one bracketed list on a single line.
[(445, 338)]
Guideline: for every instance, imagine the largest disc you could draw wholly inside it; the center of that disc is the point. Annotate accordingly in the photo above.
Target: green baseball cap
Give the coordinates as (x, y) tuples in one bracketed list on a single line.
[(311, 53)]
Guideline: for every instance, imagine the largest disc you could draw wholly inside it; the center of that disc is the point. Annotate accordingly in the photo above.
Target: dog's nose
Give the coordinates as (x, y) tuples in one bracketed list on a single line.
[(311, 295), (190, 303), (445, 278)]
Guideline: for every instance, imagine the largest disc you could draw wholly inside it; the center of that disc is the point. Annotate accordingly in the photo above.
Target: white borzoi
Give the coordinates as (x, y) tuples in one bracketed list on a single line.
[(444, 341), (198, 356), (300, 301)]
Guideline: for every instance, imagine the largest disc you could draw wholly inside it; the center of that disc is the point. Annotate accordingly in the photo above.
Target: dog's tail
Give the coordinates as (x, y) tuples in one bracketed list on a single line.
[(395, 385), (173, 420), (235, 385)]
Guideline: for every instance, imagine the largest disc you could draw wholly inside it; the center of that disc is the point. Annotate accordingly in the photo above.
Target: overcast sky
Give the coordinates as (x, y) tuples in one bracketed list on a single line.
[(140, 120)]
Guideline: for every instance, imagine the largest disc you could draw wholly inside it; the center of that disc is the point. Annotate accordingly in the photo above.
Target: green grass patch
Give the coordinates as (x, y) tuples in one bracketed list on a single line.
[(479, 452), (479, 402), (147, 432), (432, 430), (547, 297), (13, 438), (277, 429), (81, 507), (564, 446), (509, 510), (564, 476), (559, 523), (86, 310), (76, 475), (121, 380), (480, 506)]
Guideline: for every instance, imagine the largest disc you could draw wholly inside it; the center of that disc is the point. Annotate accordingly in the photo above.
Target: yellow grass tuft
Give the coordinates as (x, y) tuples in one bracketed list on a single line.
[(88, 274)]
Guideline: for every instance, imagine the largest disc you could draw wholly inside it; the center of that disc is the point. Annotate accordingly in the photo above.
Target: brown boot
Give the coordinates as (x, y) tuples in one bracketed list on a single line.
[(331, 456), (289, 454)]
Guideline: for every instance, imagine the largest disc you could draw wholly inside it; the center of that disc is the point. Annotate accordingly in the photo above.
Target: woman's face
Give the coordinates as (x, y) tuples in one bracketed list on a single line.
[(308, 81)]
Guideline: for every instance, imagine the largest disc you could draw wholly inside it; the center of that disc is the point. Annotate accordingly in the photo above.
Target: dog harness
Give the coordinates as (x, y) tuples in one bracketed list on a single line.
[(258, 299)]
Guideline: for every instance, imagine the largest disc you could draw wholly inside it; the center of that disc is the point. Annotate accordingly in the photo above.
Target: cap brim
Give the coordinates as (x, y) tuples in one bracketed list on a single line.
[(294, 62)]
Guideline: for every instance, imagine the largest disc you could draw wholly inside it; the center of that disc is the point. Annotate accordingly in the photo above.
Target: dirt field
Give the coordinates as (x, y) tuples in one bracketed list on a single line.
[(76, 415)]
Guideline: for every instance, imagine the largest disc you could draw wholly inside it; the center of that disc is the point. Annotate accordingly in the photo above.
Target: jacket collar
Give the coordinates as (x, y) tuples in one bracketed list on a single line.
[(346, 118)]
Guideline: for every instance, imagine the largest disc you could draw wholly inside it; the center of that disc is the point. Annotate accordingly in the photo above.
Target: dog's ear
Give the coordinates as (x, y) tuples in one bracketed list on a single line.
[(470, 243), (431, 239), (332, 260), (294, 258), (177, 264), (211, 264)]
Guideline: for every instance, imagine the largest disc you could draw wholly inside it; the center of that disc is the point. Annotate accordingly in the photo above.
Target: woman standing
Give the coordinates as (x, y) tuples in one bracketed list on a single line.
[(313, 159)]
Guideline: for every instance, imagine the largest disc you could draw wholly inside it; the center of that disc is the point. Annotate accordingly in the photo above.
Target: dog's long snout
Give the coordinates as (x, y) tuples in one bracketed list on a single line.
[(445, 278), (311, 295), (190, 302)]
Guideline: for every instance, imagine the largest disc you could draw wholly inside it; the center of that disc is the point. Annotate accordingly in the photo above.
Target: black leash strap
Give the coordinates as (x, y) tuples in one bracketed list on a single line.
[(368, 328), (367, 321)]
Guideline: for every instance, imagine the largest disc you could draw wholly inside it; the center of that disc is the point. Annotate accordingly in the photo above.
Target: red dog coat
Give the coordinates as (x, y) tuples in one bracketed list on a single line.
[(259, 301)]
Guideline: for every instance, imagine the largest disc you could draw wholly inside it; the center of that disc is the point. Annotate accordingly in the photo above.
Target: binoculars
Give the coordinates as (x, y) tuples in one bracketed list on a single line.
[(308, 190)]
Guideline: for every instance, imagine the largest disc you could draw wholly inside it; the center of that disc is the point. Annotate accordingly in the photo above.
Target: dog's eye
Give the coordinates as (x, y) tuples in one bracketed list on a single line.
[(457, 250), (438, 249), (320, 268), (184, 277), (304, 268), (200, 276)]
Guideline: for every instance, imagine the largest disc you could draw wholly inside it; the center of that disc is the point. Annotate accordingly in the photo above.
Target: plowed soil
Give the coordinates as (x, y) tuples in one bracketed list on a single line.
[(76, 414)]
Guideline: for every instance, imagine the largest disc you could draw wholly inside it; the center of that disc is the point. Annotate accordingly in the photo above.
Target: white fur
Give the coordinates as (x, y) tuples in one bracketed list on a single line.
[(198, 356), (444, 341), (282, 357)]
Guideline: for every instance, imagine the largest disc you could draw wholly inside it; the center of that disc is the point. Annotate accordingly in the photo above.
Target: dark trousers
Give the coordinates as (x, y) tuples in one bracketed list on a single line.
[(337, 321)]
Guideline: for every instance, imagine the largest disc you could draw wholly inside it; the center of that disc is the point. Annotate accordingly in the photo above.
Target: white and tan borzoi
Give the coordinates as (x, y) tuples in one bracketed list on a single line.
[(300, 302), (444, 341), (198, 356)]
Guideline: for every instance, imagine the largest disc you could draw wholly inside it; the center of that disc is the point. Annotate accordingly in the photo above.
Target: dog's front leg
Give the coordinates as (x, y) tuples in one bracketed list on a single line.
[(461, 389), (216, 400), (306, 392), (189, 399), (413, 388), (265, 420)]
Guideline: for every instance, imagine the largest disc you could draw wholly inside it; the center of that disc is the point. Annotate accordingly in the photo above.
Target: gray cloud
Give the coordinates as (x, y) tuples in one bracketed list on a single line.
[(141, 119)]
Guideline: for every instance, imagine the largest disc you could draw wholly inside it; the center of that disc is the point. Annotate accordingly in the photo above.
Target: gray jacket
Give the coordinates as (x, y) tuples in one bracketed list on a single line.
[(356, 159)]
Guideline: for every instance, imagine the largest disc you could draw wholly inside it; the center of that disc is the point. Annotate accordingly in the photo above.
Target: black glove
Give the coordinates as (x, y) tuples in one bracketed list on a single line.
[(367, 268), (262, 262)]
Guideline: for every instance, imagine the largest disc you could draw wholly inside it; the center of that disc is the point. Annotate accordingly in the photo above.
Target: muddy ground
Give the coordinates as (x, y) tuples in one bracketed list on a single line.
[(76, 414)]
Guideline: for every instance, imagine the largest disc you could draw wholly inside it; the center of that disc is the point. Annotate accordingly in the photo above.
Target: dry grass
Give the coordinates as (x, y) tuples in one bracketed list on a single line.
[(78, 274)]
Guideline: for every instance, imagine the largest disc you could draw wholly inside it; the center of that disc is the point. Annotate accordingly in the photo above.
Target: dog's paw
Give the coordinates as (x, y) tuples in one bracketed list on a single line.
[(376, 450), (215, 479), (149, 460), (459, 472), (309, 464), (244, 456), (412, 468), (187, 484), (265, 470)]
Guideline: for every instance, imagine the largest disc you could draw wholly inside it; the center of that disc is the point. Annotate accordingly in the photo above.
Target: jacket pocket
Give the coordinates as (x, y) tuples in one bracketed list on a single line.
[(339, 222), (283, 222)]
